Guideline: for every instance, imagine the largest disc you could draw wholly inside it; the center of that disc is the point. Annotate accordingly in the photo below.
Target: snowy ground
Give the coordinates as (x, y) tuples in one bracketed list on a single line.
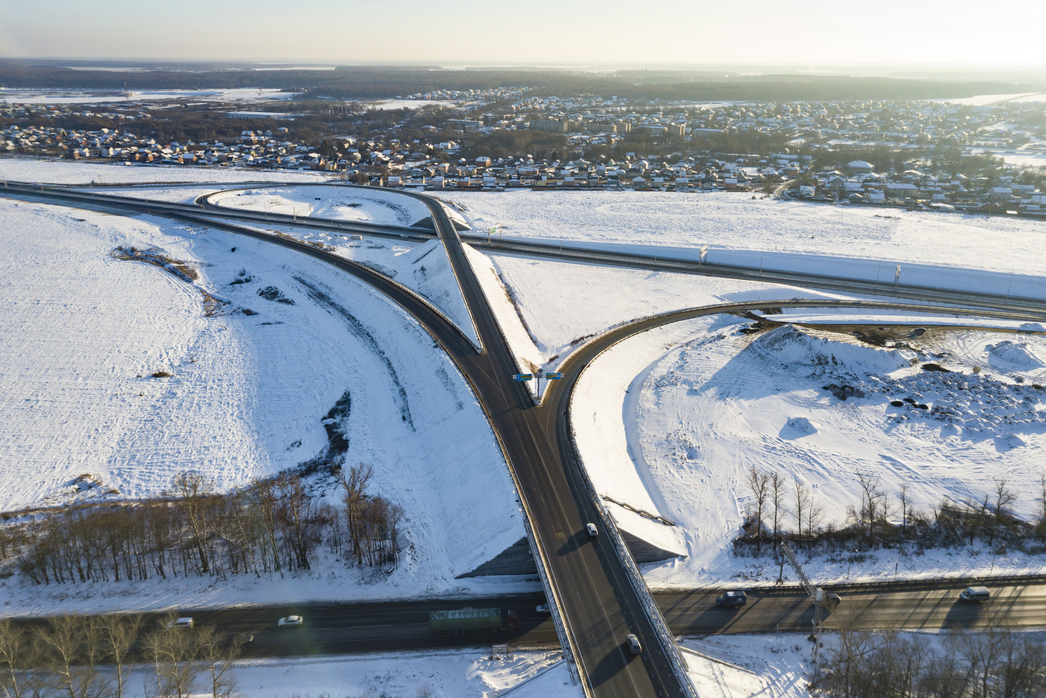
[(667, 422), (736, 221), (55, 171), (670, 421), (746, 666), (731, 666), (437, 674), (246, 94), (423, 268), (345, 204), (358, 204), (546, 309), (83, 332)]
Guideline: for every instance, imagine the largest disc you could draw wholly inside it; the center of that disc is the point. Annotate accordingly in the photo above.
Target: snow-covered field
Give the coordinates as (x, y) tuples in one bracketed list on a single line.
[(245, 94), (547, 309), (82, 333), (423, 268), (436, 674), (747, 666), (357, 204), (670, 422), (724, 666), (346, 204), (736, 221), (55, 171)]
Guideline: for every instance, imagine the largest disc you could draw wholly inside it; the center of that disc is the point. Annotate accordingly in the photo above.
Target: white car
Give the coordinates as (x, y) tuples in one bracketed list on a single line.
[(543, 608), (180, 623), (633, 644), (592, 530), (291, 621)]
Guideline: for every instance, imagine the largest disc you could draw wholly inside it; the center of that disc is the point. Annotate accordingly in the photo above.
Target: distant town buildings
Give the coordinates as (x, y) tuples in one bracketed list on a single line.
[(929, 149)]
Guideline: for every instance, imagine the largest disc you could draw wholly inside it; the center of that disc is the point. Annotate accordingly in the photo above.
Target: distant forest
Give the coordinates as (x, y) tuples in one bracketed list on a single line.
[(352, 82)]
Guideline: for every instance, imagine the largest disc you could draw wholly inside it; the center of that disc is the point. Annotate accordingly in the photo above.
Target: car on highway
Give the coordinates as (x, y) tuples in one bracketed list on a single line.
[(633, 644), (592, 530), (180, 623), (543, 608), (291, 621), (975, 595), (831, 599), (732, 599)]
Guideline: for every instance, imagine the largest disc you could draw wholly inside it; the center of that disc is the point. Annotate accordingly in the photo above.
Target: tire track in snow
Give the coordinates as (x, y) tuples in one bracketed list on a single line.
[(360, 331)]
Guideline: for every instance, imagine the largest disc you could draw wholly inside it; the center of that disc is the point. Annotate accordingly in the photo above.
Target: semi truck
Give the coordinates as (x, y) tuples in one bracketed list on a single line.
[(470, 619)]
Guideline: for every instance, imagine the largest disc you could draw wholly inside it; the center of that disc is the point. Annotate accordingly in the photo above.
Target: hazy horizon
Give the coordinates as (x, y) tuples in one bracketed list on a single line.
[(820, 36)]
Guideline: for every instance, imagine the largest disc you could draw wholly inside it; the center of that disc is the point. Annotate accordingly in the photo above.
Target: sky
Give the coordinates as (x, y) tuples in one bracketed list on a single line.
[(947, 33)]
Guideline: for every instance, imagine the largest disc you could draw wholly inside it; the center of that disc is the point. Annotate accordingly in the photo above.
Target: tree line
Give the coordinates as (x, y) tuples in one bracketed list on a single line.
[(993, 663), (91, 657), (273, 526), (783, 509)]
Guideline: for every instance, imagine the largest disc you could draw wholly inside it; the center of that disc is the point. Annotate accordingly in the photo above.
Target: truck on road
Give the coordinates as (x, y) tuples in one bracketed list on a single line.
[(472, 619)]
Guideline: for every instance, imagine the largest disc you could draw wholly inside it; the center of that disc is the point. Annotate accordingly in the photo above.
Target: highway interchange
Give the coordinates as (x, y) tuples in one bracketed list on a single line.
[(594, 587)]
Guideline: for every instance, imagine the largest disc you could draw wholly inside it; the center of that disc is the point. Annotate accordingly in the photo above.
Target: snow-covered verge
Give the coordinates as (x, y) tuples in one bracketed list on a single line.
[(64, 96), (356, 204), (703, 402), (746, 666), (259, 347), (422, 267), (55, 171), (732, 221), (547, 309), (436, 674)]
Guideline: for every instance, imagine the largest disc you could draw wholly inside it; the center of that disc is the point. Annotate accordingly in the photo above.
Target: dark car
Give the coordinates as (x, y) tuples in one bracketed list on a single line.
[(732, 599)]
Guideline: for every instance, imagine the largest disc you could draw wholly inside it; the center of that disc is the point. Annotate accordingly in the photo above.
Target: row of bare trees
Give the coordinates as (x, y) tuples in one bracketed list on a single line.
[(271, 527), (993, 663), (771, 498), (92, 656), (780, 509)]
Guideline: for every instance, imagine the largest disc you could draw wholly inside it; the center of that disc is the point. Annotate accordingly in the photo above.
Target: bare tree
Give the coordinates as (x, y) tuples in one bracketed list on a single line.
[(218, 652), (906, 503), (192, 489), (119, 633), (72, 652), (814, 512), (355, 485), (777, 496), (758, 484), (1042, 508), (1004, 497), (874, 507), (173, 655), (802, 503), (17, 651)]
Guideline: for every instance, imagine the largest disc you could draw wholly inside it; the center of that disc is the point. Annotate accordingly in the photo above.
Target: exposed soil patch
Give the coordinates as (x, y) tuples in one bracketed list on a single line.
[(158, 259)]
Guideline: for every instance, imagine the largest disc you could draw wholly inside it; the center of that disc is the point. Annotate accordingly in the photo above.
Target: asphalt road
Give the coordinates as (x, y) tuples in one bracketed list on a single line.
[(598, 604), (587, 577), (360, 628)]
